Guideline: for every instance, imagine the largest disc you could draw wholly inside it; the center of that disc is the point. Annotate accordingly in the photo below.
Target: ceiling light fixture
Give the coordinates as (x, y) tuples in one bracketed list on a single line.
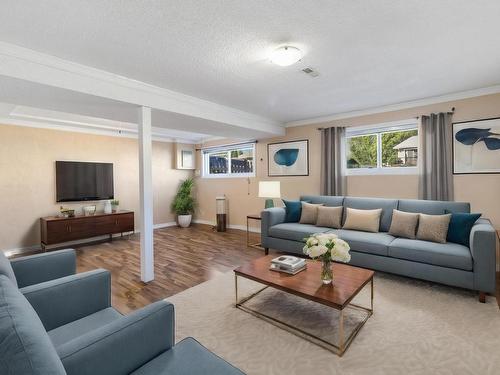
[(286, 55)]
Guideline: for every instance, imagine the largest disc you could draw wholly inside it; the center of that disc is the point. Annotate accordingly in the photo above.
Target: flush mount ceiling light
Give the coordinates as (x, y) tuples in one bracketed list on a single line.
[(285, 56)]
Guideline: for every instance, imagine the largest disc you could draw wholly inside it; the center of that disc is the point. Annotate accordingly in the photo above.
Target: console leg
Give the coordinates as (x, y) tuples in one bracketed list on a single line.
[(266, 251), (482, 297)]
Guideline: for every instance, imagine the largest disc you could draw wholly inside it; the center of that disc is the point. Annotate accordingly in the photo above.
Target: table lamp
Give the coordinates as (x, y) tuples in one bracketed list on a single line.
[(269, 190)]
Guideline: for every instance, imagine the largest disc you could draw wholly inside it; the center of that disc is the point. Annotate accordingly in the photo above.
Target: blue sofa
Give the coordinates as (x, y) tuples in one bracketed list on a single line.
[(66, 325), (450, 263)]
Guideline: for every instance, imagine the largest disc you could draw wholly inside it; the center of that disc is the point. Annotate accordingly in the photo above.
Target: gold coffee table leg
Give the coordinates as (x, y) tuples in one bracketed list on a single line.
[(341, 332)]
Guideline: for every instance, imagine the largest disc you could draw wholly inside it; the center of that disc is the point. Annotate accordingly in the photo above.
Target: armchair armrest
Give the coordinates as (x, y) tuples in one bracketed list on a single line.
[(483, 250), (38, 268), (123, 345), (58, 302), (270, 217)]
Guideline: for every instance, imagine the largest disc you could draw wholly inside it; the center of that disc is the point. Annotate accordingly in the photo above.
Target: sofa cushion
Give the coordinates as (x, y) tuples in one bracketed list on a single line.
[(363, 220), (366, 242), (6, 268), (460, 227), (293, 210), (432, 207), (295, 231), (330, 217), (448, 254), (68, 332), (25, 346), (433, 227), (404, 224), (188, 357), (309, 214), (387, 205)]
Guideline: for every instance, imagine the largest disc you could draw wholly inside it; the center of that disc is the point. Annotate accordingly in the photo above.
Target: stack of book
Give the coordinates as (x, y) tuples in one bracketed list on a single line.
[(288, 264)]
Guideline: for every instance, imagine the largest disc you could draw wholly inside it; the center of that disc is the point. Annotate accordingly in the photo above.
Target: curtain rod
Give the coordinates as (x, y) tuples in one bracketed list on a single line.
[(227, 145), (417, 117)]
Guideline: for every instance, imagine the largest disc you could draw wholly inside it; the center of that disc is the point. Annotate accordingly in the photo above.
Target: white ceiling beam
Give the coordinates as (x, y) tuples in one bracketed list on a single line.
[(33, 66)]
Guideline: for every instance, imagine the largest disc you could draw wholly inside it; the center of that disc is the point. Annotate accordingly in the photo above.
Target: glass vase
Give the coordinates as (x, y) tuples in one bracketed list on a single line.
[(326, 272)]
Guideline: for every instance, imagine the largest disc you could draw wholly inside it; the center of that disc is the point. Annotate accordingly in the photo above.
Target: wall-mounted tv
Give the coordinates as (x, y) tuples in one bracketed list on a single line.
[(83, 181)]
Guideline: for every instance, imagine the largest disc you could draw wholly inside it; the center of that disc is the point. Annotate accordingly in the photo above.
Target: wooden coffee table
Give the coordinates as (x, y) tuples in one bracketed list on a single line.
[(348, 282)]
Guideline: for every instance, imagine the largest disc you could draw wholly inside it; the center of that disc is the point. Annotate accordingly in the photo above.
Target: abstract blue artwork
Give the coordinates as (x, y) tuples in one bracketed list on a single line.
[(288, 158), (476, 146)]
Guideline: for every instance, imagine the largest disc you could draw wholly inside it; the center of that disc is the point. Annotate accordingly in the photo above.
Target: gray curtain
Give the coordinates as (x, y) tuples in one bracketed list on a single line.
[(435, 157), (333, 180)]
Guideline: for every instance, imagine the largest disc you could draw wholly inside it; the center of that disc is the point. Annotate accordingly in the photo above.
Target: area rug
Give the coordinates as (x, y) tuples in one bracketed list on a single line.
[(417, 328)]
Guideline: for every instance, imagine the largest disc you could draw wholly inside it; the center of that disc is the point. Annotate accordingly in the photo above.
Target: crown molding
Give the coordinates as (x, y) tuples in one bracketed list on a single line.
[(22, 63), (399, 106)]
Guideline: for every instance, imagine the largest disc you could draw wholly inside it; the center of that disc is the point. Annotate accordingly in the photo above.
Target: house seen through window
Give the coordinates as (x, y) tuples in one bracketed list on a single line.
[(384, 149), (229, 161)]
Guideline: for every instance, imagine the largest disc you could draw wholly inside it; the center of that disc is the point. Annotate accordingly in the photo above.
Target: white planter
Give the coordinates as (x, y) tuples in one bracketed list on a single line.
[(184, 220), (115, 208)]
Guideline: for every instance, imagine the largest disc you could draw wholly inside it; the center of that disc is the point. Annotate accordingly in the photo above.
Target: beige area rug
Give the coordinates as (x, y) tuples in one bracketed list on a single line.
[(417, 328)]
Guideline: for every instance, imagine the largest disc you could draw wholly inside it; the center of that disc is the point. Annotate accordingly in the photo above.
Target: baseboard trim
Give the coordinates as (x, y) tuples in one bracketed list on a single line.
[(29, 249), (230, 226)]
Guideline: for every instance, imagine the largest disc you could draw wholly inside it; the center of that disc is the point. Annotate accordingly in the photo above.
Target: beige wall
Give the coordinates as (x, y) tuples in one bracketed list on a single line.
[(482, 191), (27, 176)]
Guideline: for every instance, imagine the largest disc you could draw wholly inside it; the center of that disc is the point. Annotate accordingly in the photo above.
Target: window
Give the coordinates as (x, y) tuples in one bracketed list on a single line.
[(382, 149), (229, 161)]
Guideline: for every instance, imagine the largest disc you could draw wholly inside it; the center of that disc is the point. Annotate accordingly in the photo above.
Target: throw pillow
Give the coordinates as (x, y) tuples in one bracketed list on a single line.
[(433, 227), (309, 214), (404, 224), (330, 217), (460, 227), (293, 210), (364, 220)]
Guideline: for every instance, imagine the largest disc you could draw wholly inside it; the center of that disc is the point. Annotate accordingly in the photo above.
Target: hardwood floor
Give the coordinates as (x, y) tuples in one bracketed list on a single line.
[(184, 257)]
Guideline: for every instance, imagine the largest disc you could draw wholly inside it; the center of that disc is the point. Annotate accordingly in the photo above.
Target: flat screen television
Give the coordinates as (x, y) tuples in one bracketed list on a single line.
[(83, 181)]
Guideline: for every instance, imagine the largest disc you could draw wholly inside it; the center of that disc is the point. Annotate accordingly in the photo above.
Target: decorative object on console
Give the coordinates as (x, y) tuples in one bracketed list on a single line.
[(476, 146), (107, 207), (89, 210), (66, 212), (115, 205), (184, 203), (269, 190), (327, 247), (288, 158)]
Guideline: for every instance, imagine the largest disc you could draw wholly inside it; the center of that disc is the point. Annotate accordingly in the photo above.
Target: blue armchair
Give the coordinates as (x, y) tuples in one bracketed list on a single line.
[(34, 269), (67, 326)]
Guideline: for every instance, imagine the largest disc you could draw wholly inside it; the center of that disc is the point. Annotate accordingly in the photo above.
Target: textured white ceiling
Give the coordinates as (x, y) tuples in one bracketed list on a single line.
[(368, 53)]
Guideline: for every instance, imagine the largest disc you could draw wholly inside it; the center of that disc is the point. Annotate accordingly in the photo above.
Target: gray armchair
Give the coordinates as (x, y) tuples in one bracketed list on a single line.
[(67, 326), (34, 269)]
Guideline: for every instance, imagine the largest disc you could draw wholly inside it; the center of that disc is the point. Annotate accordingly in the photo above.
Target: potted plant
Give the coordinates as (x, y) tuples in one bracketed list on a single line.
[(184, 204), (115, 203)]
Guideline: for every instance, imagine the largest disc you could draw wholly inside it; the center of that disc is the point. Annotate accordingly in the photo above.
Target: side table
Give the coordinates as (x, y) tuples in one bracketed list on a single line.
[(252, 217)]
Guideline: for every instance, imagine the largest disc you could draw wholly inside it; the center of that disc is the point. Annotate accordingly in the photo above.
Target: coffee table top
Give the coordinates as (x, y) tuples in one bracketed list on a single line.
[(347, 281)]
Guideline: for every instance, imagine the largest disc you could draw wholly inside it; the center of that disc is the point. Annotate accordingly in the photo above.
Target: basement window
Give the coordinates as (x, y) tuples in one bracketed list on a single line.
[(229, 161), (382, 149)]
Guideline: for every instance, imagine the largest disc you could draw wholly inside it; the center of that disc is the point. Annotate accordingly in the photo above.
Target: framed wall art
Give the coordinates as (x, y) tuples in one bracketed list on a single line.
[(288, 158), (476, 146)]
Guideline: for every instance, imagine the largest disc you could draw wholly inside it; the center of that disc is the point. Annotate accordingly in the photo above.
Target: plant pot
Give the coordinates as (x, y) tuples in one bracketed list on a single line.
[(115, 208), (184, 220)]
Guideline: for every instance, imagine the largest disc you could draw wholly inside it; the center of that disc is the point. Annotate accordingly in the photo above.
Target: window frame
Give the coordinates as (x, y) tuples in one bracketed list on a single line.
[(205, 172), (378, 130)]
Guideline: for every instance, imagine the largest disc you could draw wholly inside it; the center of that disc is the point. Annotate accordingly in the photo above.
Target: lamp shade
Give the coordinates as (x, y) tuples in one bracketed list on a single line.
[(269, 189)]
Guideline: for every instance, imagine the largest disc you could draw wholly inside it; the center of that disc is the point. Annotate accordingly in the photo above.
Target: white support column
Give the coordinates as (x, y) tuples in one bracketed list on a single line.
[(146, 194)]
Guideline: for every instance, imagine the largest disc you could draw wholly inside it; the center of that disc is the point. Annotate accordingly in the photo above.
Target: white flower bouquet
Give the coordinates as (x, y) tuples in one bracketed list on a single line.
[(327, 247)]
